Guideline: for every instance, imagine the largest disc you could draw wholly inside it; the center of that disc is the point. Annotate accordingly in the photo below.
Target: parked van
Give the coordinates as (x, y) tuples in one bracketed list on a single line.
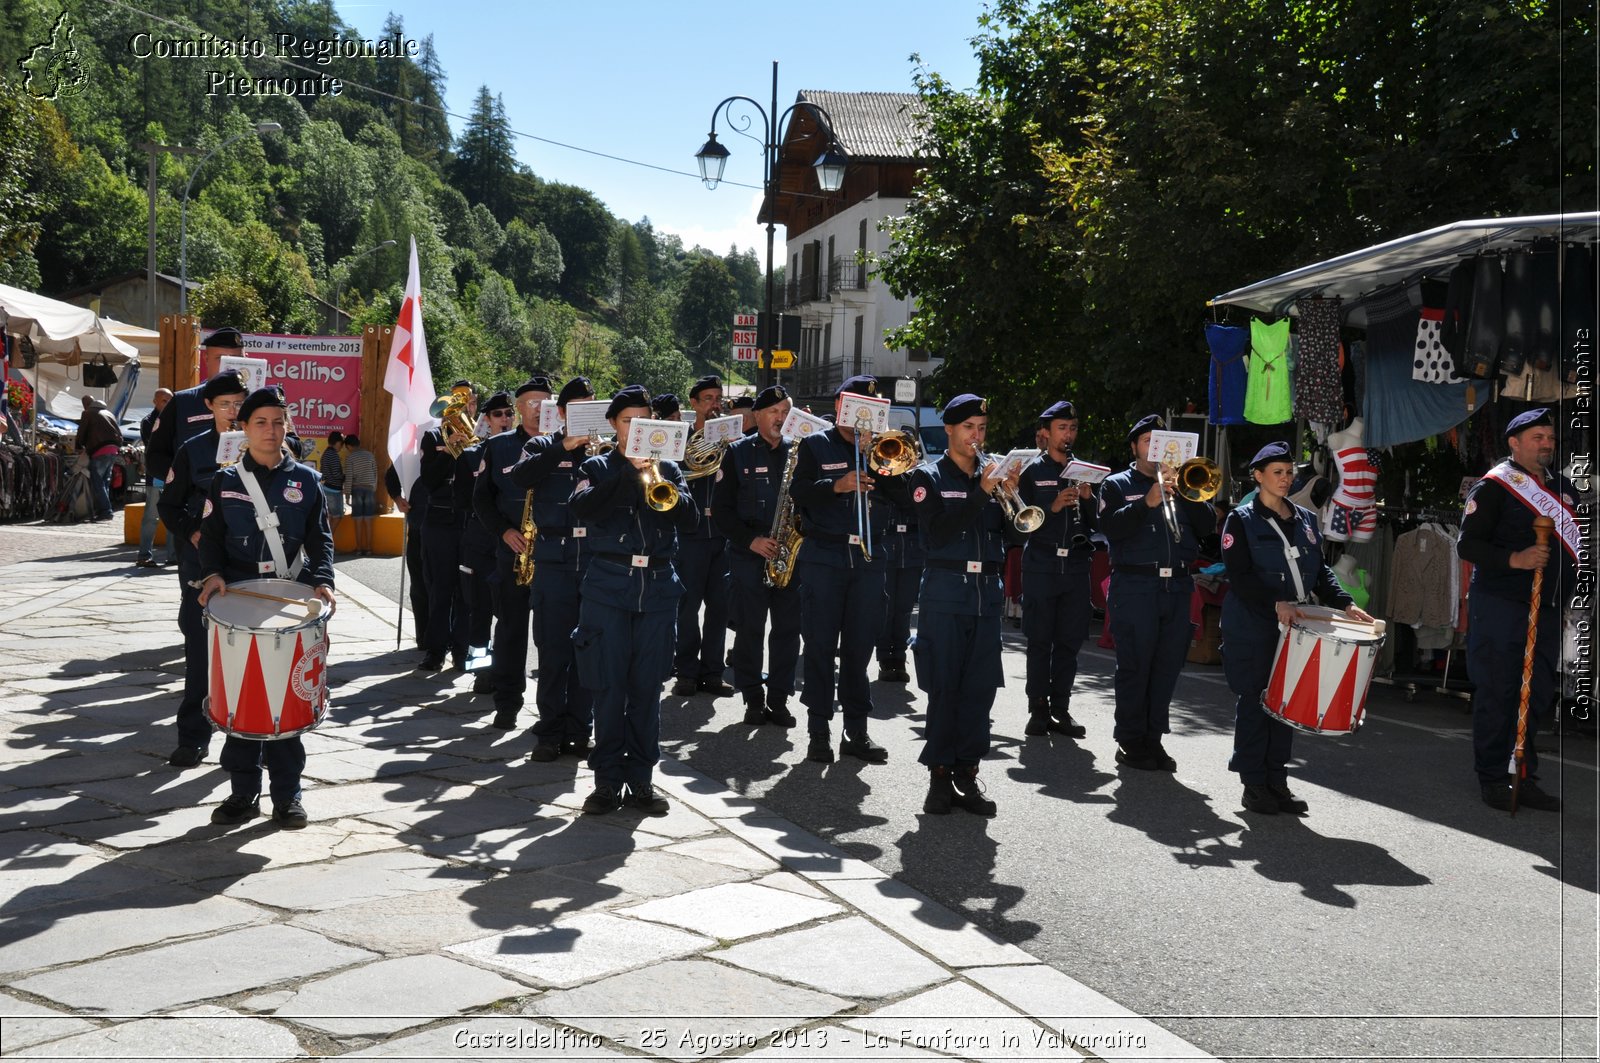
[(925, 422)]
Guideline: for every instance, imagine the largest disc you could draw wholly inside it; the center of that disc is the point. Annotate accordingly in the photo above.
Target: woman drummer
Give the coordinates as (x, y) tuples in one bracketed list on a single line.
[(1274, 561), (234, 547)]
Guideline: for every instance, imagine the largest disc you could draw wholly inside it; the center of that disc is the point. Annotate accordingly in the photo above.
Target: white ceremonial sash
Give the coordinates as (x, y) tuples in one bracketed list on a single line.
[(1545, 503)]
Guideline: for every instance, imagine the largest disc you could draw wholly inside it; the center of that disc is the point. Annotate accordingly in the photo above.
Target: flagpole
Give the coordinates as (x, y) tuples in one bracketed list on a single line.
[(400, 613)]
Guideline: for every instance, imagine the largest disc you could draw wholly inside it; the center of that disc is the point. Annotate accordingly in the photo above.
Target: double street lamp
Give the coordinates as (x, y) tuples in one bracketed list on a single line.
[(829, 167), (260, 129)]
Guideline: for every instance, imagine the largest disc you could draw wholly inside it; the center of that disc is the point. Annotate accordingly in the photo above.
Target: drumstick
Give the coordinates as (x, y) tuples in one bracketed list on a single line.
[(272, 597), (1542, 527)]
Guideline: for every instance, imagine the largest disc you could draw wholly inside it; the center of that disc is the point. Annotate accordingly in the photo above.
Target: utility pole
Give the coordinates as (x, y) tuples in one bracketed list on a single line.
[(152, 150)]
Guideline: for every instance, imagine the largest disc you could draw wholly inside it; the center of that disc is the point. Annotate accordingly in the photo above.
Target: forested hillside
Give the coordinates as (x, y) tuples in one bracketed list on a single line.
[(519, 273)]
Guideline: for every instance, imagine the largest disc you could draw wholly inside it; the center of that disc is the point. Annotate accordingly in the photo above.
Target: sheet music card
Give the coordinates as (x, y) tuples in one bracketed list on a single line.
[(868, 411), (800, 424), (1172, 448), (549, 417), (588, 418), (253, 370), (656, 440), (230, 448), (1085, 471), (1015, 461), (724, 429)]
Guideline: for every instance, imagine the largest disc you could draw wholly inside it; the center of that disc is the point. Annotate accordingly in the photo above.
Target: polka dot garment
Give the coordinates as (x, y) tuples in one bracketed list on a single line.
[(1430, 362)]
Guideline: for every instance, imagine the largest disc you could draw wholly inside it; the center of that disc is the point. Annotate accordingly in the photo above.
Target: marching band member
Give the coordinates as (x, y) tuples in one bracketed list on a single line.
[(1274, 560), (441, 544), (1150, 595), (498, 503), (187, 415), (745, 407), (233, 547), (703, 566), (665, 407), (549, 468), (841, 589), (477, 545), (182, 505), (629, 610), (1055, 575), (1497, 538), (958, 636), (744, 506), (902, 581)]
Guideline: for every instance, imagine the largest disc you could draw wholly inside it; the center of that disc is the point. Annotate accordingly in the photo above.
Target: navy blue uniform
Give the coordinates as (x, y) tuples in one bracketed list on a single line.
[(957, 645), (743, 506), (629, 612), (183, 418), (1258, 578), (902, 579), (1056, 561), (416, 568), (841, 591), (477, 552), (1494, 525), (182, 504), (561, 558), (1149, 602), (498, 503), (441, 551), (702, 564), (232, 545)]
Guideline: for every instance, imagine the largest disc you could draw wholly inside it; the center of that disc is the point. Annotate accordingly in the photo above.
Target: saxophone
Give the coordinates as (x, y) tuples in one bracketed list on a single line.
[(785, 530), (522, 564)]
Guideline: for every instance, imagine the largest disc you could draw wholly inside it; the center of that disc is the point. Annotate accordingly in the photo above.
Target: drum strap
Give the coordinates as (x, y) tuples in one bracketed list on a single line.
[(267, 521), (1292, 556)]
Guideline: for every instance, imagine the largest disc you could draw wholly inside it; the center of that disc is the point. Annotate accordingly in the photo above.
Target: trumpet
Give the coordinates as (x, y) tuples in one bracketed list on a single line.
[(452, 413), (1196, 480), (599, 445), (895, 453), (660, 494), (1022, 517)]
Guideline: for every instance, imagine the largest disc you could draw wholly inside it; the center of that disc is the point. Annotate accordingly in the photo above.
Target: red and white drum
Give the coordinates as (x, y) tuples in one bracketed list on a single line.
[(1322, 671), (268, 660)]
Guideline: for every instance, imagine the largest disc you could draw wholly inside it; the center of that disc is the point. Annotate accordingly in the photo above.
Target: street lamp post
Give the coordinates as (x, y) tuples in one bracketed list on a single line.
[(829, 167), (260, 129), (152, 150), (338, 289)]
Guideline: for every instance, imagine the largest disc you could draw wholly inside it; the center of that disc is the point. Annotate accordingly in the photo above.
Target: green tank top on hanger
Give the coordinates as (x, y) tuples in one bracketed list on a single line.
[(1268, 398)]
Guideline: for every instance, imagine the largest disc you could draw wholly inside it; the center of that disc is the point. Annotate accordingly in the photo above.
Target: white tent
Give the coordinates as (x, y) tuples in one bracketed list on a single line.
[(59, 331)]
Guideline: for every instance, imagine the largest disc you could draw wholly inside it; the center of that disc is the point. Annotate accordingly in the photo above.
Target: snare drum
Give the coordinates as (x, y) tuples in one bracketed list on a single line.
[(1322, 671), (268, 660)]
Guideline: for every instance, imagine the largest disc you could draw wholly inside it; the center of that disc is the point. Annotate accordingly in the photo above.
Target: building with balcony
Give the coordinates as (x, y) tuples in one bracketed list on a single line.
[(844, 312)]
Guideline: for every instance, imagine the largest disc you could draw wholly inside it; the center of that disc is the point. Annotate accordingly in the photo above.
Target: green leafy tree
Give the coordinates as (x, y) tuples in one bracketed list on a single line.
[(707, 301), (745, 269), (531, 257), (228, 300), (659, 371), (331, 184), (583, 227), (485, 157)]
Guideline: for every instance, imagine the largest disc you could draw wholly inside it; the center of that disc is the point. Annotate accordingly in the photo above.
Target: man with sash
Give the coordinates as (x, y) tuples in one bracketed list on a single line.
[(1497, 537)]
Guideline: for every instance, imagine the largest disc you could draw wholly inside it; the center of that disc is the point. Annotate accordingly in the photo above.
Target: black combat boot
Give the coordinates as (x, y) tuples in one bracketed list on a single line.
[(941, 794), (1038, 717), (969, 792)]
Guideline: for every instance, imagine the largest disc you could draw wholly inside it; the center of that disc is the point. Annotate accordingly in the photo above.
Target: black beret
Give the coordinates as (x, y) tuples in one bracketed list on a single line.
[(225, 337), (227, 382), (665, 406), (961, 407), (272, 395), (629, 397), (1061, 411), (576, 388), (1270, 453), (460, 384), (1152, 423), (770, 396), (535, 383), (1529, 419), (498, 401), (705, 383), (745, 402), (859, 385)]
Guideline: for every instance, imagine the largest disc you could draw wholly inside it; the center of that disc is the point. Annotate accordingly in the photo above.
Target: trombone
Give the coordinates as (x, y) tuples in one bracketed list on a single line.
[(863, 428), (1025, 519), (1197, 480)]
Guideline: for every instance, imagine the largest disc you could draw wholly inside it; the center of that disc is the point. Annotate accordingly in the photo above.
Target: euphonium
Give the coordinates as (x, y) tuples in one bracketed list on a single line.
[(1023, 518), (660, 494), (522, 564), (895, 453), (785, 529), (458, 434), (701, 458)]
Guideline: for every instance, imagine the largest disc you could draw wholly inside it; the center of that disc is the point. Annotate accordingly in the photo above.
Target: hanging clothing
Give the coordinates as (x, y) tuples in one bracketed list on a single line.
[(1486, 329), (1351, 514), (1458, 312), (1318, 395), (1431, 363), (1267, 396), (1357, 587), (1424, 572), (1229, 346), (1398, 409)]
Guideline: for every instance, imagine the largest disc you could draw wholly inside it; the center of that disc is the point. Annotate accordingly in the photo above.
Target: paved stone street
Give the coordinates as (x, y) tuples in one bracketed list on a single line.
[(447, 900)]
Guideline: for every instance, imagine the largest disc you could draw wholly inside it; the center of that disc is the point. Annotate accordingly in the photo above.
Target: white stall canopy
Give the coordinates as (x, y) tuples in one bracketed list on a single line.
[(1356, 275), (59, 331)]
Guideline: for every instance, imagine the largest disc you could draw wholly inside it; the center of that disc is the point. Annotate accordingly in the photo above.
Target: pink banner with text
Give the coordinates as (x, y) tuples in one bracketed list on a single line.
[(320, 377)]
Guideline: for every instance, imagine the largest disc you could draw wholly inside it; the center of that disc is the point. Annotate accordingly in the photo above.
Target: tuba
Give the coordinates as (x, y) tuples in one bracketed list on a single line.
[(785, 529), (701, 458), (458, 434), (522, 564)]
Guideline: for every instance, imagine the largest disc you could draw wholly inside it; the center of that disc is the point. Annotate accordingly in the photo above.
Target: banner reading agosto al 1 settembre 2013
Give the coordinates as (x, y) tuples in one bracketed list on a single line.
[(320, 376)]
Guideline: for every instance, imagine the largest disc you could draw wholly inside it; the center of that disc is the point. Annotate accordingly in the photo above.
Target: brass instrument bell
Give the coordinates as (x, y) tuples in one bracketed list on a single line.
[(458, 431)]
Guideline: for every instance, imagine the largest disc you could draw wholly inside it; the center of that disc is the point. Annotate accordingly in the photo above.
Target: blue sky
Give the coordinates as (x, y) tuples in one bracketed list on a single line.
[(639, 80)]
